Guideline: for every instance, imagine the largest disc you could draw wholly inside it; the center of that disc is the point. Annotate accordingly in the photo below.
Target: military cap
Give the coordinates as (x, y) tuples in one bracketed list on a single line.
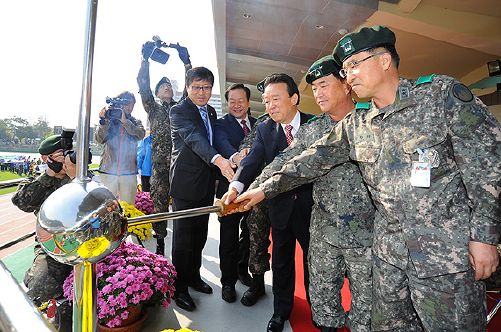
[(362, 40), (260, 85), (50, 145), (322, 67), (163, 80)]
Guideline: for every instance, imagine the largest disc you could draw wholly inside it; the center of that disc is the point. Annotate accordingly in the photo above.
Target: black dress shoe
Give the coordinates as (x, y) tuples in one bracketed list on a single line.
[(201, 286), (184, 301), (245, 279), (327, 329), (228, 294), (251, 295), (276, 324)]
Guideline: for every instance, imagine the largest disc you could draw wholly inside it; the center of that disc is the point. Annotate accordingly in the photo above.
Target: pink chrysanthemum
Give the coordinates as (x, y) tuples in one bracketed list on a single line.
[(131, 275)]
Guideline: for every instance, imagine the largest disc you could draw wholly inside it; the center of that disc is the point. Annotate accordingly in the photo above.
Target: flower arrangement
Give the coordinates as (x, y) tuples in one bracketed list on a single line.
[(144, 203), (143, 232), (130, 276)]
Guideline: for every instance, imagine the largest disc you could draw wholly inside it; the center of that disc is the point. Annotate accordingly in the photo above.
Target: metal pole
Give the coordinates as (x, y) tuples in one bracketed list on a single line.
[(136, 221), (85, 275), (85, 99)]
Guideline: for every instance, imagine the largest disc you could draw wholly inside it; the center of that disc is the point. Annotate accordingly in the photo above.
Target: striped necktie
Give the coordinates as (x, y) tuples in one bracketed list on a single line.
[(205, 118), (245, 128)]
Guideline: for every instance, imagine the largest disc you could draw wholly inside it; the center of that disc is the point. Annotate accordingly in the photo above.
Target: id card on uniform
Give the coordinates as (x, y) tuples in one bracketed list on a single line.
[(421, 174)]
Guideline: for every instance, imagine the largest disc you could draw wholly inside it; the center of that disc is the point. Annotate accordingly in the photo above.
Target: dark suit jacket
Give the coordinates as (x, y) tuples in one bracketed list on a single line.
[(227, 138), (269, 142), (192, 175)]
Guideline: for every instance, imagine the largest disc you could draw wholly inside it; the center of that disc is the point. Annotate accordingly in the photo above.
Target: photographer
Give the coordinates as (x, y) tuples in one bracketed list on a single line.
[(158, 117), (45, 277), (119, 131)]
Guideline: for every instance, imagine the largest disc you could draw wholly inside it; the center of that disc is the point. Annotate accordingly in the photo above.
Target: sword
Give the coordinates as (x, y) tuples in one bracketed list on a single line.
[(219, 208)]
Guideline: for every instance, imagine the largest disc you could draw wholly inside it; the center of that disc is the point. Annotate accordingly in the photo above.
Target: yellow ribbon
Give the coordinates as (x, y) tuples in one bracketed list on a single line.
[(87, 298)]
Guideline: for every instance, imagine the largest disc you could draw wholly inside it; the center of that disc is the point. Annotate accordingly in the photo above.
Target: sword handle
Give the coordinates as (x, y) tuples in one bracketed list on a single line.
[(230, 208)]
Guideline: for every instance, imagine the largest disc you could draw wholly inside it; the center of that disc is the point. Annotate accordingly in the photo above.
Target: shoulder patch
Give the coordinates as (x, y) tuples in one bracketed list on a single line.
[(312, 119), (425, 79), (363, 105), (461, 92)]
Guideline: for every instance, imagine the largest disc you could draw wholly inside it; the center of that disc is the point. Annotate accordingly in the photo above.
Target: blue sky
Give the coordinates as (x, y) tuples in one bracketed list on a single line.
[(41, 62)]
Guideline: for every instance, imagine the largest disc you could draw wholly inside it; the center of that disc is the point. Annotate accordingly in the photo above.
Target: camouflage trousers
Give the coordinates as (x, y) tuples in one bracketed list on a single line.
[(44, 280), (45, 277), (259, 225), (328, 265), (160, 187), (404, 302)]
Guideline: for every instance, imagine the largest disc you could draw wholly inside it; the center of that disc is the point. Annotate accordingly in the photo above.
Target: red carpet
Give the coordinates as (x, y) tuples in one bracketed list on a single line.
[(300, 319), (495, 323)]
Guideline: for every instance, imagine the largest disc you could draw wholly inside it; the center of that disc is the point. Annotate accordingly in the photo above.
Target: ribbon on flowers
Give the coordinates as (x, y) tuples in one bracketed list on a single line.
[(87, 298)]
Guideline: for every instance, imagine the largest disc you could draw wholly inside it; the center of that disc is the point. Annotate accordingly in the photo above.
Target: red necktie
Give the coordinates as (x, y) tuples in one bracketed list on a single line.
[(288, 134), (245, 128)]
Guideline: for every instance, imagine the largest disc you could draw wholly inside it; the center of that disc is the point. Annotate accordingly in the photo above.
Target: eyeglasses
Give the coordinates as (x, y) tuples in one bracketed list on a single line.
[(353, 64), (165, 86), (206, 88)]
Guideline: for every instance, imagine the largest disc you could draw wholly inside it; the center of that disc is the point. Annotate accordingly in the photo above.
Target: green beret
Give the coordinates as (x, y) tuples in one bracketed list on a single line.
[(260, 86), (322, 67), (364, 39), (50, 145)]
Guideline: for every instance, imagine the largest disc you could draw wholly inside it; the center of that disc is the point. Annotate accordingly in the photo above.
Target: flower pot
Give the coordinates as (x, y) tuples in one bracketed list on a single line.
[(133, 323)]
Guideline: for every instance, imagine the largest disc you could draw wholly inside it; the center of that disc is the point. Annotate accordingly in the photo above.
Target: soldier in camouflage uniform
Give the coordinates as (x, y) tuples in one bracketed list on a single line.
[(342, 217), (161, 146), (258, 225), (44, 279), (429, 153)]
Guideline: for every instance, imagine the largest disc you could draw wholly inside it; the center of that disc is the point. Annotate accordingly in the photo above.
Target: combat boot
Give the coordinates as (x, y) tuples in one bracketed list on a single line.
[(327, 329), (160, 247), (256, 291)]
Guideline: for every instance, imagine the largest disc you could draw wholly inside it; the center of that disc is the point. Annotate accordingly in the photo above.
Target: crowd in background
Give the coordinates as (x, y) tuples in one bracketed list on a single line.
[(21, 165)]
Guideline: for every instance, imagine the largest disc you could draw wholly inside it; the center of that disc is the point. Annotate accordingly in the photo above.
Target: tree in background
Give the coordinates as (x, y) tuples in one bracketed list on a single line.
[(18, 130)]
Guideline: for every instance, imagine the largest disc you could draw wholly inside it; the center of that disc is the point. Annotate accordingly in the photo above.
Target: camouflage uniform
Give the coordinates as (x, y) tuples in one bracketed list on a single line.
[(421, 273), (161, 146), (257, 220), (45, 277), (340, 233)]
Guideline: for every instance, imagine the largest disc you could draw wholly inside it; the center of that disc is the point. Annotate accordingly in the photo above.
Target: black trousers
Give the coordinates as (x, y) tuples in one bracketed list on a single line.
[(233, 250), (283, 260), (145, 183), (188, 241), (243, 246)]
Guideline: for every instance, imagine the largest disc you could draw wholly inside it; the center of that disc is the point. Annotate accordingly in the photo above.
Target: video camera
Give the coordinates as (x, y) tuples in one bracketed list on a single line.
[(115, 107), (152, 50)]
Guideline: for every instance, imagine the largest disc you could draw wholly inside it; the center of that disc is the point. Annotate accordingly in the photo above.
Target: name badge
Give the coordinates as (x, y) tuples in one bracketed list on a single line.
[(420, 174)]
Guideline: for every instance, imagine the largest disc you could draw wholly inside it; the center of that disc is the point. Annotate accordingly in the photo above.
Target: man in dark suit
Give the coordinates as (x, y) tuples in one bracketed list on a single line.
[(192, 180), (230, 131), (289, 212)]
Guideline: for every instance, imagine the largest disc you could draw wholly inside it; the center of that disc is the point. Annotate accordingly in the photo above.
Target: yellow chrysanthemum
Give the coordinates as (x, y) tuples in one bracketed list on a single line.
[(143, 232), (93, 247)]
